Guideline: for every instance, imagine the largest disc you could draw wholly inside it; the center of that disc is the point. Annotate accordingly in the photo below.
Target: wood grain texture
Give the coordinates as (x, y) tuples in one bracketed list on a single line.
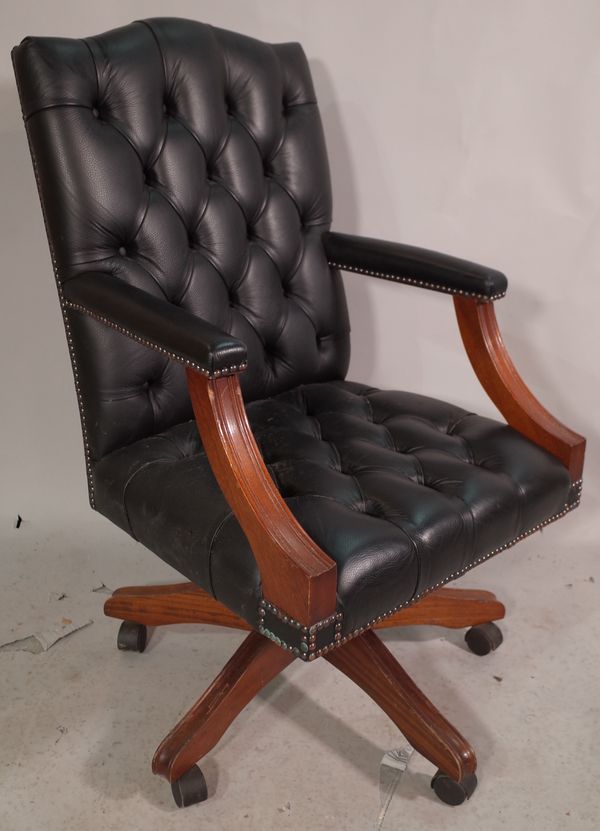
[(452, 608), (176, 603), (368, 662), (297, 576), (500, 379), (256, 662)]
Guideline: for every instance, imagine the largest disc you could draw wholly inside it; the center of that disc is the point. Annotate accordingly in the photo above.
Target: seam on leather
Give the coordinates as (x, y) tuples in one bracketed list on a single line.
[(217, 373), (286, 317), (236, 286), (183, 123), (54, 107), (145, 211), (175, 209), (371, 413), (126, 138), (188, 282), (111, 124), (277, 149), (364, 393), (200, 452), (452, 427), (391, 438), (298, 303), (467, 447), (311, 103), (65, 316), (143, 268), (426, 421), (336, 453), (146, 23), (413, 281), (421, 470), (292, 197), (130, 479), (221, 148), (87, 262), (301, 393), (239, 121), (223, 184), (521, 500), (163, 142), (85, 42), (124, 396), (263, 207), (298, 262), (468, 513), (315, 420), (359, 488), (269, 255)]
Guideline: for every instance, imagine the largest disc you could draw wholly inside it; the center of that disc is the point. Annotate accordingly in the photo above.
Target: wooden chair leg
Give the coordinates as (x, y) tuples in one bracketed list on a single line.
[(364, 659), (368, 662), (188, 603), (176, 603), (453, 608), (256, 662)]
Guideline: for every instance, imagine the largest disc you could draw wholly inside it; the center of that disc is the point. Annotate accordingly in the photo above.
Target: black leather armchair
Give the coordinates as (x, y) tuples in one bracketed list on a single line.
[(184, 181)]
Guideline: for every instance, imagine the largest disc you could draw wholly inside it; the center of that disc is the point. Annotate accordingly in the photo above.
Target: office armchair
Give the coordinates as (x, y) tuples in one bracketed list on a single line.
[(184, 182)]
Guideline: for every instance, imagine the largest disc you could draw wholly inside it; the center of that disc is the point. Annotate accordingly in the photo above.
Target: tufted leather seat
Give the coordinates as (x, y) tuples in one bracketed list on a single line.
[(403, 491)]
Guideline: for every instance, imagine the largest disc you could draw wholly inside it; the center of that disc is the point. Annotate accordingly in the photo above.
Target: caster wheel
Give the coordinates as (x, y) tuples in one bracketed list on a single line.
[(189, 788), (484, 638), (451, 792), (132, 636)]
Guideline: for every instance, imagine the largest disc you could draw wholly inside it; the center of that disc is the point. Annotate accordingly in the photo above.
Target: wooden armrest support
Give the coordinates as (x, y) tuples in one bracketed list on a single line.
[(297, 576), (500, 379)]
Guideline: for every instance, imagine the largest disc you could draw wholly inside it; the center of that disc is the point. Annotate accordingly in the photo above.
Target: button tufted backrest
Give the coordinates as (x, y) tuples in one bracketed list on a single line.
[(190, 162)]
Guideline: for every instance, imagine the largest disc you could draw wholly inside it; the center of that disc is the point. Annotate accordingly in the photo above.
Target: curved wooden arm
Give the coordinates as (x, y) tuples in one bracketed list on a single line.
[(297, 576), (500, 379)]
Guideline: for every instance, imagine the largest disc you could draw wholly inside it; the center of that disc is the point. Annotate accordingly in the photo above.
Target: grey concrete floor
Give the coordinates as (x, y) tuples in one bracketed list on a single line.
[(79, 723)]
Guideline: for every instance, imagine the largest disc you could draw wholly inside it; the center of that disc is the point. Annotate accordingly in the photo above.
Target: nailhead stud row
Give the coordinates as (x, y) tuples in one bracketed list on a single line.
[(414, 282), (306, 650), (217, 373), (74, 365)]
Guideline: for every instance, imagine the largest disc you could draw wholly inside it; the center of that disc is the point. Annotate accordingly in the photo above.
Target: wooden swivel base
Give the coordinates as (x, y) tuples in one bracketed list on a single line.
[(365, 659)]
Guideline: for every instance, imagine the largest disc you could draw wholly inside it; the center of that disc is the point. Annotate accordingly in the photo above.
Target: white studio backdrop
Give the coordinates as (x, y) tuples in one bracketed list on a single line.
[(467, 126)]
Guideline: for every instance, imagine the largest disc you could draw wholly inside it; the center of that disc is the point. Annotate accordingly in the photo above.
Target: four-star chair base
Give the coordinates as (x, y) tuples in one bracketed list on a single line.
[(365, 659)]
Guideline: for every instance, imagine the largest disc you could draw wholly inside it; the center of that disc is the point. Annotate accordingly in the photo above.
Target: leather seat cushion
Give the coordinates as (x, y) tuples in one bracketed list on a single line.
[(403, 491)]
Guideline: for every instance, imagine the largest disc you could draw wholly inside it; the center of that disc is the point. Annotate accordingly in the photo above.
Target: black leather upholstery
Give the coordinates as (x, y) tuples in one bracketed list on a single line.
[(185, 187), (156, 323), (416, 266), (403, 491), (189, 162)]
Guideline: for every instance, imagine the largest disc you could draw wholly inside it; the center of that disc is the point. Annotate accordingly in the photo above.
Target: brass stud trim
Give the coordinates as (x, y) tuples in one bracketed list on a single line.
[(413, 281), (217, 373)]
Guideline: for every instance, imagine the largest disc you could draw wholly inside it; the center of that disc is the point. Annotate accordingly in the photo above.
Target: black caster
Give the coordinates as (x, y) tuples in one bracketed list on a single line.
[(190, 788), (484, 638), (451, 792), (132, 636)]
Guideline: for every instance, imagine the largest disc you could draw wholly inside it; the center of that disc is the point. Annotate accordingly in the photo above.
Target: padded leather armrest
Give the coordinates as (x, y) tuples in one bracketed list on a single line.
[(416, 266), (156, 323)]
